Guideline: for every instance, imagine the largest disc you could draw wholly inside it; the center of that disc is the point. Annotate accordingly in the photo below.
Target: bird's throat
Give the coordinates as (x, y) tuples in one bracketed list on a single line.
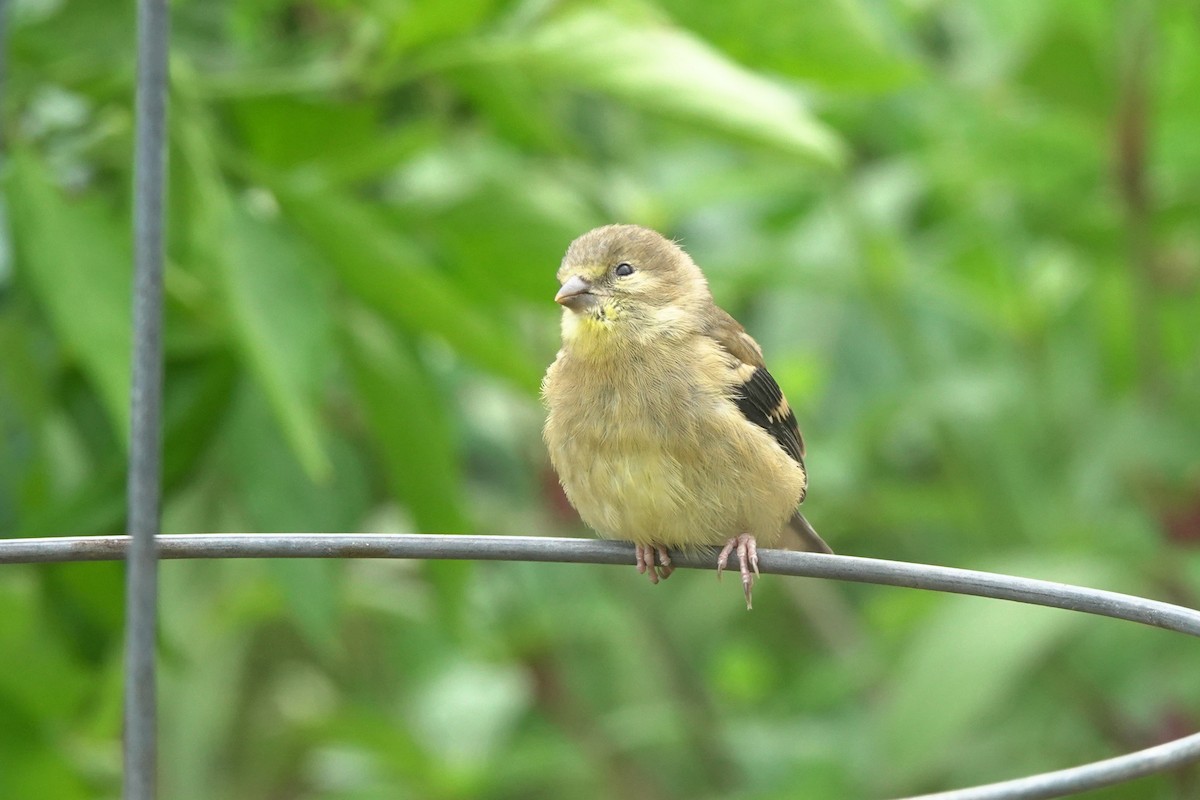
[(592, 332)]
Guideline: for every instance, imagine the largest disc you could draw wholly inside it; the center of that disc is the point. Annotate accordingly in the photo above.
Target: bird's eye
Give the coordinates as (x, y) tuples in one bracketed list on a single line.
[(624, 268)]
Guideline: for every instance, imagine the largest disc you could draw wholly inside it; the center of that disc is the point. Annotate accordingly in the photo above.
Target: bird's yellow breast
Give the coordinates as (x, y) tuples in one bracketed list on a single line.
[(649, 448)]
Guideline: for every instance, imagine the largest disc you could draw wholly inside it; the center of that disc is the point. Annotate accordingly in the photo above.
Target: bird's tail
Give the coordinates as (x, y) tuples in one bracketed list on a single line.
[(809, 539)]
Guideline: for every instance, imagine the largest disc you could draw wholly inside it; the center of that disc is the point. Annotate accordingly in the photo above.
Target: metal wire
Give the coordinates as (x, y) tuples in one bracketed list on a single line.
[(145, 450), (587, 551)]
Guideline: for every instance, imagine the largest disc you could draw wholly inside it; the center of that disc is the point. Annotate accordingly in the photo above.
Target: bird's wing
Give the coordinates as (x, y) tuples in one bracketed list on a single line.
[(755, 392)]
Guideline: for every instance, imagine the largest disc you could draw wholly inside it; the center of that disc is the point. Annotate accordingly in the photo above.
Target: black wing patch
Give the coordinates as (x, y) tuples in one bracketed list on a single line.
[(761, 401)]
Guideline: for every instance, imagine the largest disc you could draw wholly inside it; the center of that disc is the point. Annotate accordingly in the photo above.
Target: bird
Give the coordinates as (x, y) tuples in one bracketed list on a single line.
[(662, 422)]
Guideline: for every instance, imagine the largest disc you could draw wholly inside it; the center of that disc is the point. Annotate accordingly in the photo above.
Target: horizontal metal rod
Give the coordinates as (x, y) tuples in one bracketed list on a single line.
[(811, 565), (594, 551)]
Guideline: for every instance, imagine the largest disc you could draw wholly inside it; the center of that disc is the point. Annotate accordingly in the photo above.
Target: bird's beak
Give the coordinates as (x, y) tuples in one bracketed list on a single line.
[(575, 294)]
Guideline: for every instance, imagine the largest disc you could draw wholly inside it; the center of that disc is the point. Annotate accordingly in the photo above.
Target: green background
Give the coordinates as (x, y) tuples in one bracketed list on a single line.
[(965, 233)]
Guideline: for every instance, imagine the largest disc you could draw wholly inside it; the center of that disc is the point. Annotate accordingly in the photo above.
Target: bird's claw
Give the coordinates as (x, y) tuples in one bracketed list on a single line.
[(644, 558), (747, 553)]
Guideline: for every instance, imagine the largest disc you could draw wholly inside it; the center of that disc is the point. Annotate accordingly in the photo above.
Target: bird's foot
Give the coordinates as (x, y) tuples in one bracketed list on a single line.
[(747, 553), (644, 558)]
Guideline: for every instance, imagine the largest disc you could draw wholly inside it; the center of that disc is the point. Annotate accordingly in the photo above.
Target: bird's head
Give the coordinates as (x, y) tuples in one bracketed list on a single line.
[(628, 283)]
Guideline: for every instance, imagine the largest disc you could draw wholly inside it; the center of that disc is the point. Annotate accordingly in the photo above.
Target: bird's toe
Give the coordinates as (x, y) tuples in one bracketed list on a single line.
[(747, 552)]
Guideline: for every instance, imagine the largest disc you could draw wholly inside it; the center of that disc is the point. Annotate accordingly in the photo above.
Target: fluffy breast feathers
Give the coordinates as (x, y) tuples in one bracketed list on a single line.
[(675, 440)]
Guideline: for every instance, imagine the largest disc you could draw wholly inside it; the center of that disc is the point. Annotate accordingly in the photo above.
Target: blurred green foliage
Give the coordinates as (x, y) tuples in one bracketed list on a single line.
[(966, 233)]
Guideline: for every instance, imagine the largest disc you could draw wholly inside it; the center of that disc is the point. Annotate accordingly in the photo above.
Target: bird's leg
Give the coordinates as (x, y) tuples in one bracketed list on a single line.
[(747, 553), (644, 558)]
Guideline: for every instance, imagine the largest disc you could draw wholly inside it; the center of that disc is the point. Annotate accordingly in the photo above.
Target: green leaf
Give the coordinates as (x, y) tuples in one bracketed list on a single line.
[(41, 768), (287, 131), (965, 663), (410, 425), (27, 470), (667, 70), (196, 399), (38, 675), (389, 274), (76, 256), (506, 246), (311, 589), (272, 291), (412, 430), (281, 321), (838, 43), (276, 494), (415, 24)]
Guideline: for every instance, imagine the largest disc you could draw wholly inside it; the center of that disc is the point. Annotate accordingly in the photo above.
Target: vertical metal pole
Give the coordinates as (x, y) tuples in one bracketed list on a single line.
[(145, 452)]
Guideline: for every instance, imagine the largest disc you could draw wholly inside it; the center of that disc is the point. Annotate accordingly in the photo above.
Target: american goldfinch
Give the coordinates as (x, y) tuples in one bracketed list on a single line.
[(663, 423)]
